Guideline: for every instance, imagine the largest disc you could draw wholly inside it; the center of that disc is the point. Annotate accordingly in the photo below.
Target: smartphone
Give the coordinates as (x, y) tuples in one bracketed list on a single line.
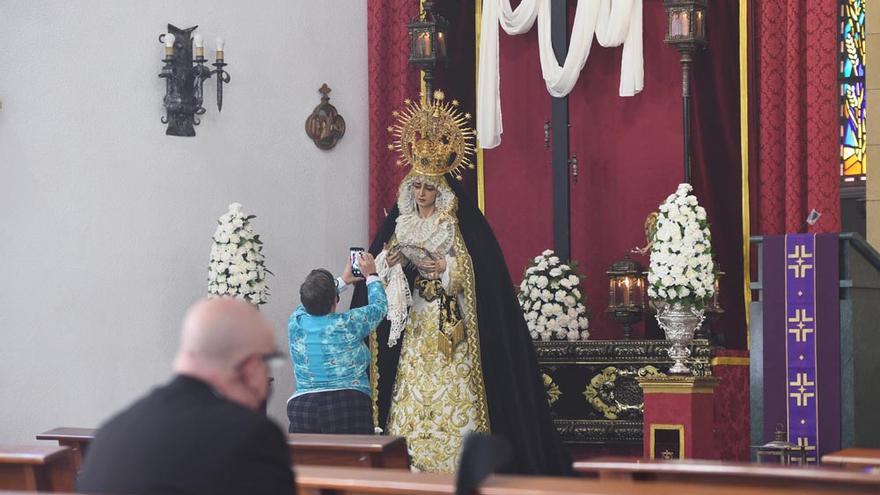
[(353, 254)]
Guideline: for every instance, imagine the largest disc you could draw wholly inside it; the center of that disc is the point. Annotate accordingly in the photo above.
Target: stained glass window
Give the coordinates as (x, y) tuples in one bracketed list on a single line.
[(853, 138)]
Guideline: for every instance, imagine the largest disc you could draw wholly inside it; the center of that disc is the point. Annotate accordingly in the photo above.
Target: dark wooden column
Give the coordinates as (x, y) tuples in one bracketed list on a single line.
[(559, 121)]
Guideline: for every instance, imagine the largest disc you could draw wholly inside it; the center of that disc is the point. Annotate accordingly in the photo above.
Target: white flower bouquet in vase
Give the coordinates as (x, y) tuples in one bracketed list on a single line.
[(681, 276), (551, 300), (237, 266)]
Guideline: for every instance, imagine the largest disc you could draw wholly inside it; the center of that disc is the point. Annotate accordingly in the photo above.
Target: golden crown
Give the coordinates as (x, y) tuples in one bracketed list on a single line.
[(433, 138)]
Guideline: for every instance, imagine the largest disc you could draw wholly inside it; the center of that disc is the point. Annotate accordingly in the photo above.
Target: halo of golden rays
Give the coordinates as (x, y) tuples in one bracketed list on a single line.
[(433, 138)]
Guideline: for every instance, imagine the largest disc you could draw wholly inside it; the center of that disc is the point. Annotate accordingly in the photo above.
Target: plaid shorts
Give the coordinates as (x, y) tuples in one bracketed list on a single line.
[(336, 411)]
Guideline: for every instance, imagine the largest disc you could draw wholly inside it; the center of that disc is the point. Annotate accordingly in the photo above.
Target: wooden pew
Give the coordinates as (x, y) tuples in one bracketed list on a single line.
[(858, 459), (326, 480), (33, 468), (378, 451), (730, 473), (77, 439)]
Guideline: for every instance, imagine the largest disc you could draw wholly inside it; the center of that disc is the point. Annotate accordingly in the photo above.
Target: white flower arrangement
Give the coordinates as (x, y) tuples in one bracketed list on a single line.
[(551, 300), (681, 267), (237, 266)]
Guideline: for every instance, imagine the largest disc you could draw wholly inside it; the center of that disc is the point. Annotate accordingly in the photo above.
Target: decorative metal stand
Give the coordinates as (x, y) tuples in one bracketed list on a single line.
[(184, 82), (679, 321)]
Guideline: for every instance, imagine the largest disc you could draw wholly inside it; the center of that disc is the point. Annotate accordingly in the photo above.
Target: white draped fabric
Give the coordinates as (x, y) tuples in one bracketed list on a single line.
[(613, 22)]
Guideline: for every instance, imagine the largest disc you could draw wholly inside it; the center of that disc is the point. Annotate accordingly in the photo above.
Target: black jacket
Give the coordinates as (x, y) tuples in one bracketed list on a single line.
[(182, 438)]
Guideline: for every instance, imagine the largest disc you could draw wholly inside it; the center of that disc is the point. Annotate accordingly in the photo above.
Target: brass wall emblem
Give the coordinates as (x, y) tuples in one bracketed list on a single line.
[(325, 126)]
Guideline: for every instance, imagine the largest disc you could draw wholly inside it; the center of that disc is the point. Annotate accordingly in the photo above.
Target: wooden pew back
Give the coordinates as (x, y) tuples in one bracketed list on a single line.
[(730, 473), (378, 451), (33, 468), (325, 480)]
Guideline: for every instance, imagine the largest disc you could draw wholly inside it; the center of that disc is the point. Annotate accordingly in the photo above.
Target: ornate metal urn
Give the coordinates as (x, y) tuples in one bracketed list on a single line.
[(679, 321)]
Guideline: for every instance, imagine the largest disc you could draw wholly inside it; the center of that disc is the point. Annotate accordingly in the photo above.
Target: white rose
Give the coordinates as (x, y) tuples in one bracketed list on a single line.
[(574, 280), (585, 335), (552, 325), (531, 325), (570, 301), (533, 280), (547, 309), (553, 260), (546, 295), (237, 223), (560, 295), (565, 283), (222, 288), (522, 286), (547, 252), (573, 335), (576, 293), (555, 272), (538, 259), (545, 335), (563, 320), (235, 208), (532, 316), (542, 282), (700, 292), (572, 312), (542, 266), (584, 322), (683, 292)]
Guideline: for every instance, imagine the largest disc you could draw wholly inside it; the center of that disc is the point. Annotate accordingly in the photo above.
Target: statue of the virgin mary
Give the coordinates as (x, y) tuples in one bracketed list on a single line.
[(455, 355)]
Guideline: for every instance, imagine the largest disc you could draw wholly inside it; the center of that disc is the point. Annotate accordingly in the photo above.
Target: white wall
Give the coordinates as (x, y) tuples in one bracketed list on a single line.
[(107, 222)]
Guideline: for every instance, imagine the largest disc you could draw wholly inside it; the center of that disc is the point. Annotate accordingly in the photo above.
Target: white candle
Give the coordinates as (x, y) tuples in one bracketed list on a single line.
[(199, 43), (221, 44), (169, 44)]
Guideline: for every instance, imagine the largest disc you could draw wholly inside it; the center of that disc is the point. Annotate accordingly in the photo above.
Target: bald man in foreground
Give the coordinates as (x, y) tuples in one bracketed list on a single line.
[(201, 433)]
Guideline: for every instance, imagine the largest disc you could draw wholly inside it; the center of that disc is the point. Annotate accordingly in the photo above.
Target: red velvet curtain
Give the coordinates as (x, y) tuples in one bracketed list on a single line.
[(391, 80), (798, 151), (629, 154), (717, 173)]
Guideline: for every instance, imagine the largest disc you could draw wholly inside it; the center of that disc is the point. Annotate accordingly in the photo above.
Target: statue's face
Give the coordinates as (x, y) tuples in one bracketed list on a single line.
[(425, 193)]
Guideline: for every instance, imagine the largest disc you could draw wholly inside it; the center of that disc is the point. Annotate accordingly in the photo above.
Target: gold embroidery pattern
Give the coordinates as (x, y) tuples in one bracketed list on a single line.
[(435, 400), (465, 275), (433, 403)]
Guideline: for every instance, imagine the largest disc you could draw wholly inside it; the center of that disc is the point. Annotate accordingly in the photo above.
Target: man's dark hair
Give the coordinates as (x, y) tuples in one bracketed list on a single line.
[(318, 292)]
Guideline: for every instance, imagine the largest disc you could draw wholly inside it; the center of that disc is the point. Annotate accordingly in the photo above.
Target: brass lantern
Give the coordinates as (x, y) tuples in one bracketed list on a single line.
[(427, 43), (626, 293), (780, 451)]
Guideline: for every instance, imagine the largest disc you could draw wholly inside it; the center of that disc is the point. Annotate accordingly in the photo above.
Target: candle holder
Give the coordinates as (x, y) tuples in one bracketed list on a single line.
[(686, 31), (713, 312), (427, 35), (184, 82), (626, 293)]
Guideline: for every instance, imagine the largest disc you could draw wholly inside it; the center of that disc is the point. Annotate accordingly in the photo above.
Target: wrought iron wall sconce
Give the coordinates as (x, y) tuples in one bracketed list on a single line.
[(184, 82), (325, 126)]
